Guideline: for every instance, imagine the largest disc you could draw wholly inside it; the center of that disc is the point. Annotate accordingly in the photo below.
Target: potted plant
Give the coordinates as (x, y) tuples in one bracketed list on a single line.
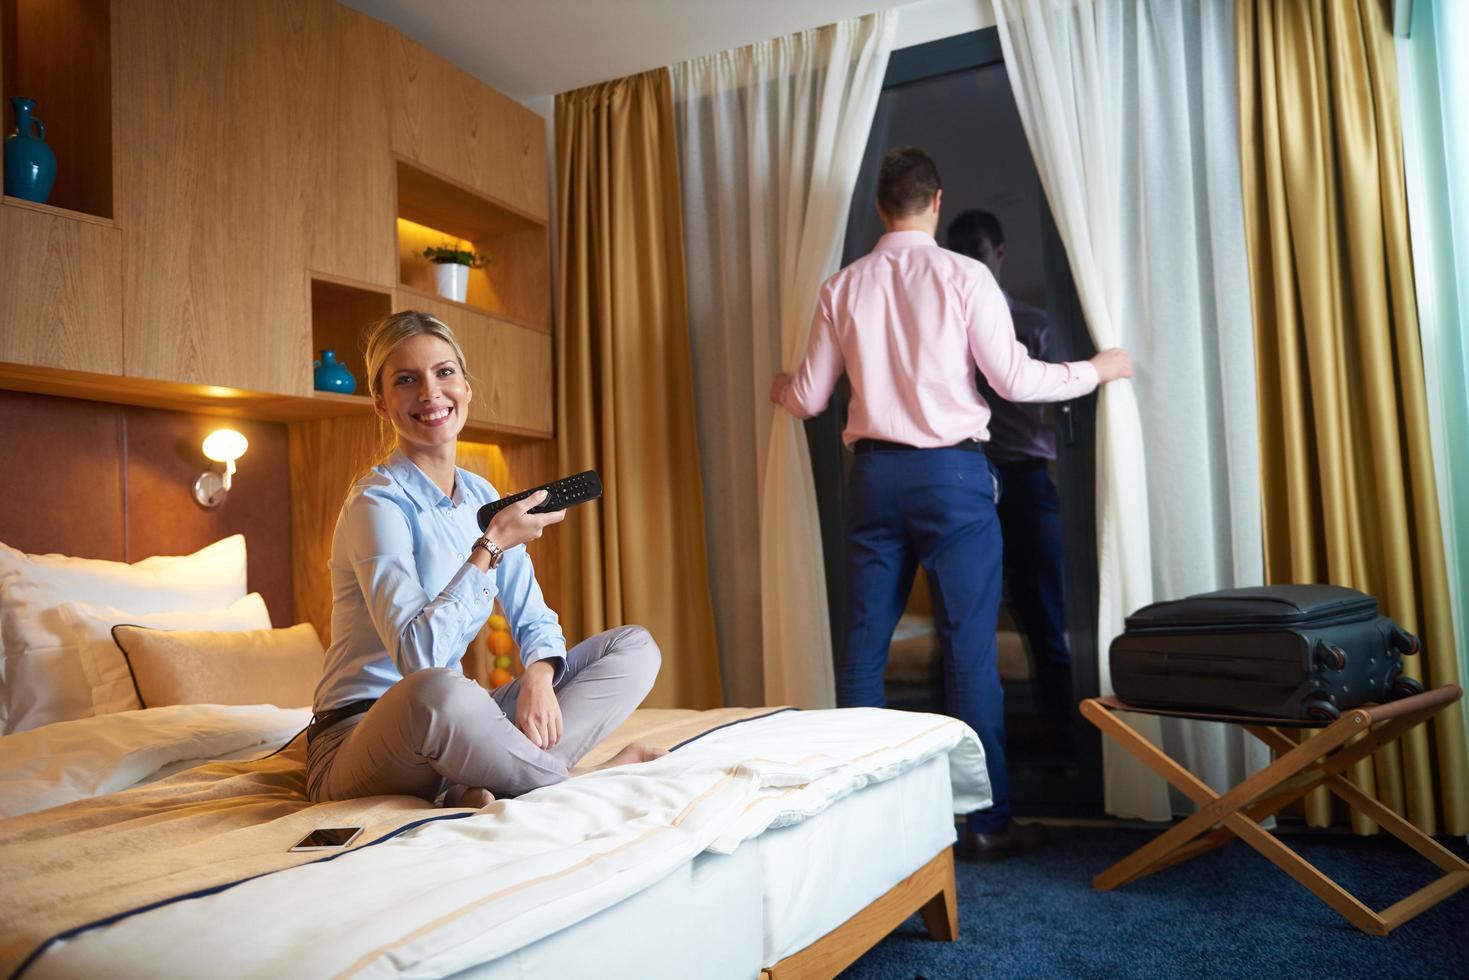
[(451, 269)]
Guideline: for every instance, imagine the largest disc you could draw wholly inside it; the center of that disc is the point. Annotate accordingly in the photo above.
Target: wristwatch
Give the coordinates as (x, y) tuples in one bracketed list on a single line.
[(497, 554)]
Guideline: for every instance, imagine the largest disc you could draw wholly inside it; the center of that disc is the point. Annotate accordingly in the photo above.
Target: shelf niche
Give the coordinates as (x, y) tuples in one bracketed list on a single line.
[(59, 53), (340, 316), (434, 210)]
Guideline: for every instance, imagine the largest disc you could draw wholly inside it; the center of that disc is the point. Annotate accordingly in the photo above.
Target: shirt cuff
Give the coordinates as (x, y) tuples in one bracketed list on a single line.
[(1085, 372), (554, 655), (792, 403), (473, 588)]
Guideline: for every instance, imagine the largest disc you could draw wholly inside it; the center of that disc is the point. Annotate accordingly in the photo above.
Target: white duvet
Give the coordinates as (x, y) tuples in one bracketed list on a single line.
[(74, 760), (454, 893)]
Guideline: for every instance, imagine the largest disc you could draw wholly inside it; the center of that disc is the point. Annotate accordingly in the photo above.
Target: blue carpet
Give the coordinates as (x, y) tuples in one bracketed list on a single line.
[(1229, 913)]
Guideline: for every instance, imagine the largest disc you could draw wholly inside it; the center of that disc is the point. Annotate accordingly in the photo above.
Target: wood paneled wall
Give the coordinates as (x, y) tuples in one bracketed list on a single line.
[(234, 152), (61, 304), (115, 482), (448, 121), (213, 156)]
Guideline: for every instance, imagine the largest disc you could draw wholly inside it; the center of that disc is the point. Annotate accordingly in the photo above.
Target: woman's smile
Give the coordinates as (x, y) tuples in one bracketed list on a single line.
[(438, 415)]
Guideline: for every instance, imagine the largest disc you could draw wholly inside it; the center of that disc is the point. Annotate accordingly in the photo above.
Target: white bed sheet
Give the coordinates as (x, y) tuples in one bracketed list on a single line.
[(703, 921), (817, 874), (774, 896)]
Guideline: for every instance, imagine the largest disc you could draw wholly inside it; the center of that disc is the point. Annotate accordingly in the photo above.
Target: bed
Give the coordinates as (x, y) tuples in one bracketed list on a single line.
[(774, 841), (152, 841)]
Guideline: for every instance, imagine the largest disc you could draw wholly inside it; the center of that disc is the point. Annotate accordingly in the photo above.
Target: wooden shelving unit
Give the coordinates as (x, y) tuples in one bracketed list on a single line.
[(341, 312), (434, 210), (60, 55), (205, 273)]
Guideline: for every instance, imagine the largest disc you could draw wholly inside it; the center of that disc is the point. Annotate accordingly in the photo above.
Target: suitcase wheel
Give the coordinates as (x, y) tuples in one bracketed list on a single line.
[(1404, 686), (1404, 642), (1331, 656), (1319, 709)]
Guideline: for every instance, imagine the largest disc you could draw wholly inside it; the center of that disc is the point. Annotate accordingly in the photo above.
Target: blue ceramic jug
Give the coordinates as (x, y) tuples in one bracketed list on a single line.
[(332, 375), (30, 166)]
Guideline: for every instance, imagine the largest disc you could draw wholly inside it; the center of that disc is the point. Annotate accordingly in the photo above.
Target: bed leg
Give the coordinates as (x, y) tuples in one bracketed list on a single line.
[(941, 913)]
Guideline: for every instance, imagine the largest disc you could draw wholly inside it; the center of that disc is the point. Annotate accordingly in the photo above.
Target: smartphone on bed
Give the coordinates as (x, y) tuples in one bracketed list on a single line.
[(328, 839)]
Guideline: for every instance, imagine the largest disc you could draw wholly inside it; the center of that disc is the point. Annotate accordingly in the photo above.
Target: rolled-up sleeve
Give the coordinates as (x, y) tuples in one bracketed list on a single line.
[(536, 629), (417, 630)]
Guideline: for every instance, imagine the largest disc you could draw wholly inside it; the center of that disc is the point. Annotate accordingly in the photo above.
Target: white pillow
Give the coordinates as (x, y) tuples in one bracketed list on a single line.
[(103, 665), (32, 587), (88, 675), (45, 686), (210, 578)]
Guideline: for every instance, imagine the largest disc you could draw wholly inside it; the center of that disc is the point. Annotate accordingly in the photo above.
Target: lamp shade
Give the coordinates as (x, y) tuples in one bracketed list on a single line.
[(225, 445)]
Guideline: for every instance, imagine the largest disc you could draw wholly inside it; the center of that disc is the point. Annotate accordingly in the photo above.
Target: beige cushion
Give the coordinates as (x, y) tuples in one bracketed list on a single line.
[(279, 667)]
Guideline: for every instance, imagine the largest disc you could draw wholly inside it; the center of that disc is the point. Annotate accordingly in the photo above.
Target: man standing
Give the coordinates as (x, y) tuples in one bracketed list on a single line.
[(909, 322), (1022, 446)]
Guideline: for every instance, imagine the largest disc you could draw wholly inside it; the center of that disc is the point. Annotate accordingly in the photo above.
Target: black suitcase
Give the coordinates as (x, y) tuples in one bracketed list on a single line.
[(1281, 651)]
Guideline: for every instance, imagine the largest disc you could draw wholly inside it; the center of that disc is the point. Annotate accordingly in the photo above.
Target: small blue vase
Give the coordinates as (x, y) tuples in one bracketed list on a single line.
[(30, 166), (332, 375)]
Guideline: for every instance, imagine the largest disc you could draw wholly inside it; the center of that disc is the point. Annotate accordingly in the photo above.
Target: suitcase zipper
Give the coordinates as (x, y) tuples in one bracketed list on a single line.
[(1256, 626)]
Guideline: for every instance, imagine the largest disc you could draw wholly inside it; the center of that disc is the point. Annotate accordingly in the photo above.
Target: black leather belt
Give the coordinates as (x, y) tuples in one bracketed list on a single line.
[(325, 720), (883, 446)]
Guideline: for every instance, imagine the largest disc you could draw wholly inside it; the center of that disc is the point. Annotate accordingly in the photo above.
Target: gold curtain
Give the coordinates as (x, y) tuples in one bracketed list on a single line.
[(1348, 480), (624, 402)]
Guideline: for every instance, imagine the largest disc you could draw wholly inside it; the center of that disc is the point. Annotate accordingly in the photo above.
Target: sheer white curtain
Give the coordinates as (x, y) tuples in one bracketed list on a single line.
[(1130, 111), (1433, 77), (771, 138)]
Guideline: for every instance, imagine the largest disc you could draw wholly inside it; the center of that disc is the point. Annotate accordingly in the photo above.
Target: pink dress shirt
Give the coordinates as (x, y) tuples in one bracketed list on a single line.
[(909, 322)]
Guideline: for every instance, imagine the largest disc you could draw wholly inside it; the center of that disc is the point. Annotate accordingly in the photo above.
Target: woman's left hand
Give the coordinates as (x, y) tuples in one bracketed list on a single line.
[(537, 712)]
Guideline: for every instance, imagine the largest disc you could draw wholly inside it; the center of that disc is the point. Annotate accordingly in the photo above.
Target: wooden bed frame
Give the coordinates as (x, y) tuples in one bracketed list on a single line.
[(929, 891)]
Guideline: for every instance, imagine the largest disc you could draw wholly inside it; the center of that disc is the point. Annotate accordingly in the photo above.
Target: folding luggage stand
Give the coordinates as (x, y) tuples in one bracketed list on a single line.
[(1298, 768)]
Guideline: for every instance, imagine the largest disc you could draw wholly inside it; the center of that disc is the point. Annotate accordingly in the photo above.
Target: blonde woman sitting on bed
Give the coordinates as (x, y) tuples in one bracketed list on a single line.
[(413, 581)]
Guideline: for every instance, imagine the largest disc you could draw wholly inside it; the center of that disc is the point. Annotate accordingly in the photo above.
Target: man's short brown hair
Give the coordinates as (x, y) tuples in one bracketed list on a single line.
[(907, 182)]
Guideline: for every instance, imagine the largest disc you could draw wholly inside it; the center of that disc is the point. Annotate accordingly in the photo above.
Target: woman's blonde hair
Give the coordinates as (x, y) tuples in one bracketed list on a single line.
[(385, 336)]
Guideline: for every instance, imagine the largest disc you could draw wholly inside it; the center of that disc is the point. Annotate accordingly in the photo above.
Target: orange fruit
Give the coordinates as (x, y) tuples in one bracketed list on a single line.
[(499, 677), (498, 622), (500, 643)]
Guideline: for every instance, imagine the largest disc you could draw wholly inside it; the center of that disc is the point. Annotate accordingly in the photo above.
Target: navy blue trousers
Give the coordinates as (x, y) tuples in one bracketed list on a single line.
[(935, 509), (1030, 517)]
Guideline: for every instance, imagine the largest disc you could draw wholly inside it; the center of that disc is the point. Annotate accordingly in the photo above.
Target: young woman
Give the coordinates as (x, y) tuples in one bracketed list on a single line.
[(413, 581)]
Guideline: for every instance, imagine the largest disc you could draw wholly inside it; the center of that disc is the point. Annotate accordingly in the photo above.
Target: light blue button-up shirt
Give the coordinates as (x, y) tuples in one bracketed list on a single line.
[(405, 598)]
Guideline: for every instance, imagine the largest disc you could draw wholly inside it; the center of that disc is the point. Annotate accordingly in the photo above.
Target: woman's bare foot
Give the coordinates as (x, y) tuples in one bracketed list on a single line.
[(636, 752), (477, 797), (473, 797)]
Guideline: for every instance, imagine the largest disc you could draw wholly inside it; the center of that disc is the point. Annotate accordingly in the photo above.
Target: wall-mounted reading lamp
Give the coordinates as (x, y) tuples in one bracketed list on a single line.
[(223, 446)]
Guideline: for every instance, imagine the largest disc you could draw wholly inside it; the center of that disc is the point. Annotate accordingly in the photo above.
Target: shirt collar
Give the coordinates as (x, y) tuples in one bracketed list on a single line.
[(420, 489), (904, 239)]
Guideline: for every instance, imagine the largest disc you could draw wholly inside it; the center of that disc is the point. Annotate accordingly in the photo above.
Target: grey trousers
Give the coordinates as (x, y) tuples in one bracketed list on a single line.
[(438, 729)]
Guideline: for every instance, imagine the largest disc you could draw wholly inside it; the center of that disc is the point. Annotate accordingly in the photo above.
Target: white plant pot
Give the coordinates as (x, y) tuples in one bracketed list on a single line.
[(452, 280)]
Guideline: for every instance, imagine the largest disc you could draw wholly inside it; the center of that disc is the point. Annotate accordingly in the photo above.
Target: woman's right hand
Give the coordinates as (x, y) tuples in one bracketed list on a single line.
[(516, 525)]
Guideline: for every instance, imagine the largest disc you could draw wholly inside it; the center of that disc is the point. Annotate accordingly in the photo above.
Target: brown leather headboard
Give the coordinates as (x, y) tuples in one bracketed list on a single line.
[(98, 480)]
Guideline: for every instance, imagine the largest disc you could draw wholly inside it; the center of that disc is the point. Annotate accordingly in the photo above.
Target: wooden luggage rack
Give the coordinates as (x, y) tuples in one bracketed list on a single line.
[(1298, 769)]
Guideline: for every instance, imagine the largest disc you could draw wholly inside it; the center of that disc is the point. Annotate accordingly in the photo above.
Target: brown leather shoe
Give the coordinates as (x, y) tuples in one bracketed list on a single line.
[(1014, 839)]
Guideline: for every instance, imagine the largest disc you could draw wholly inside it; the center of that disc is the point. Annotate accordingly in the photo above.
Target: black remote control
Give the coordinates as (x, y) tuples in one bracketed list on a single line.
[(561, 494)]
